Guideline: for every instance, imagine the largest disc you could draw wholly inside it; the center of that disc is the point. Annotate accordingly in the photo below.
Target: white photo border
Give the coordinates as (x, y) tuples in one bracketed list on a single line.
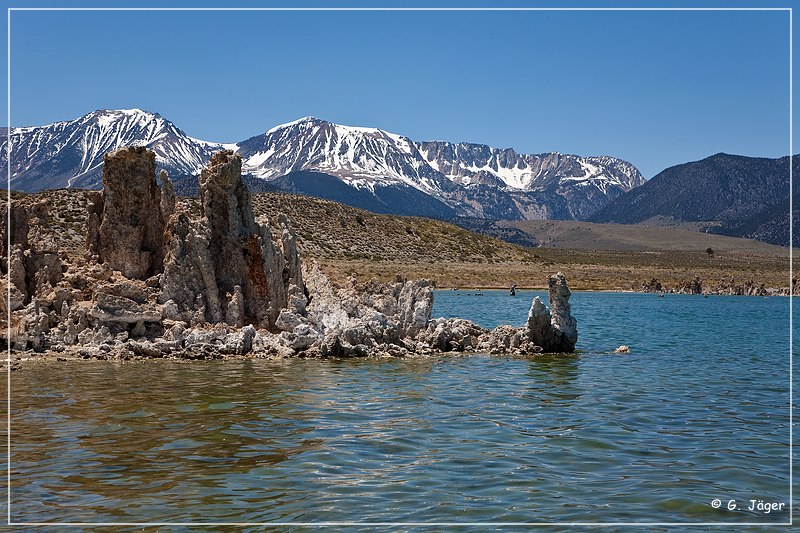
[(8, 360)]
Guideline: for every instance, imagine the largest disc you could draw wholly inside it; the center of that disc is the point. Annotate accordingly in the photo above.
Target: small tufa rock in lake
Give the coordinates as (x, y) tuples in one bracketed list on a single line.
[(555, 330)]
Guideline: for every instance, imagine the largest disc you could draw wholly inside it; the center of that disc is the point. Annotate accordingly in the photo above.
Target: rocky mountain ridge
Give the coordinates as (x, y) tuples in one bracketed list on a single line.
[(467, 179), (373, 168)]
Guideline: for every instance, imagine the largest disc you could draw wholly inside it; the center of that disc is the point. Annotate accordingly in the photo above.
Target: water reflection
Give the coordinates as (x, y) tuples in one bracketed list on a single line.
[(556, 372), (181, 428)]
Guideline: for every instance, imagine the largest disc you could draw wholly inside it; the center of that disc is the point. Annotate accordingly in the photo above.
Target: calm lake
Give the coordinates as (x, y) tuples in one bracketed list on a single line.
[(699, 410)]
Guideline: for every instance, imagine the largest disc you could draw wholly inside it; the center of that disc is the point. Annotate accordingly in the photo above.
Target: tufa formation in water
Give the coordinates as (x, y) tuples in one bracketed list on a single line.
[(161, 282), (224, 267)]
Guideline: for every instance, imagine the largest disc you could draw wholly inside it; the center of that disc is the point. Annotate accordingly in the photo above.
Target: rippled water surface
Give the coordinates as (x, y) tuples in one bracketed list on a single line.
[(698, 410)]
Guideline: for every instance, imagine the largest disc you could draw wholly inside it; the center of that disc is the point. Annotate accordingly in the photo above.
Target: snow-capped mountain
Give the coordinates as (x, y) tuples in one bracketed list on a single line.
[(70, 154), (366, 167), (361, 157), (472, 179)]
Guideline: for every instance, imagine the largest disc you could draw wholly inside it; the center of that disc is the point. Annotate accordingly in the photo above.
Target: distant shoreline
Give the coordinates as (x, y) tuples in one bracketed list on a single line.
[(611, 291)]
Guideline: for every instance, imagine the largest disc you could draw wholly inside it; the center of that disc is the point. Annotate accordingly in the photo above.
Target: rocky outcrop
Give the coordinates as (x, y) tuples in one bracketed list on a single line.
[(561, 311), (18, 292), (696, 286), (355, 319), (188, 284), (126, 221), (551, 330), (17, 232), (225, 267), (748, 288), (158, 281)]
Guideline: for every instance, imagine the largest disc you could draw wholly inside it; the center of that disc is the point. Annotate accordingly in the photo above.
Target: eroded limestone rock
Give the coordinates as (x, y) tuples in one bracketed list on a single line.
[(18, 287), (19, 225), (188, 284), (126, 224), (561, 312), (226, 267), (31, 266), (451, 335), (167, 205), (112, 308), (356, 320)]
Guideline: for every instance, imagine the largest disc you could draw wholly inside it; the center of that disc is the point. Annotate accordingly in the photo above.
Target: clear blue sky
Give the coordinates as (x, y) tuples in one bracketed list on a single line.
[(654, 88)]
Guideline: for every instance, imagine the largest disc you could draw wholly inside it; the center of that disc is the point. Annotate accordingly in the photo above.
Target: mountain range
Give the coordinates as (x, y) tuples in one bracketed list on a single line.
[(727, 194), (385, 172), (365, 167)]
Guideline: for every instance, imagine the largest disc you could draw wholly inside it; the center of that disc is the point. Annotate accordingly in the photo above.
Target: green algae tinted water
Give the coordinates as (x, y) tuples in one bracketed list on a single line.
[(697, 411)]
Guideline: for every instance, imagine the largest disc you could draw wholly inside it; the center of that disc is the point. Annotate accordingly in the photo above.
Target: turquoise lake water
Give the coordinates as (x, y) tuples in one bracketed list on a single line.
[(699, 410)]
